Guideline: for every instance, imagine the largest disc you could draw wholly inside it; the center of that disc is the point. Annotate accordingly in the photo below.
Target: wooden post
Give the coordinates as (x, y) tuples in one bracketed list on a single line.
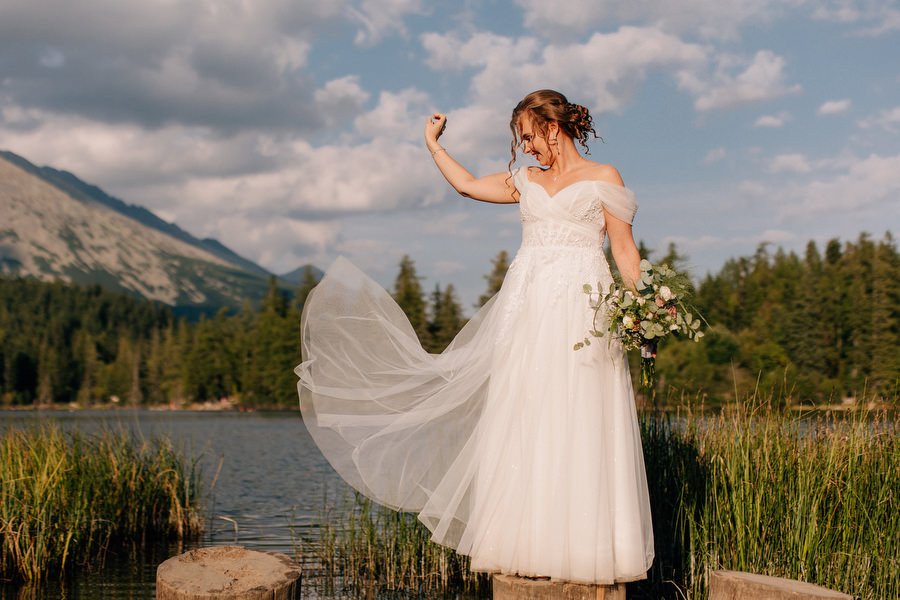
[(507, 587), (736, 585), (228, 573)]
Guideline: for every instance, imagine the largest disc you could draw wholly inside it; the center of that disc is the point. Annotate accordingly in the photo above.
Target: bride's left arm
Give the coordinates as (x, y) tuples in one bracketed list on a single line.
[(624, 250)]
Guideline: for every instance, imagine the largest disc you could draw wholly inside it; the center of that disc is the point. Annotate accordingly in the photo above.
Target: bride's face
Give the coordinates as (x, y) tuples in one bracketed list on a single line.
[(535, 143)]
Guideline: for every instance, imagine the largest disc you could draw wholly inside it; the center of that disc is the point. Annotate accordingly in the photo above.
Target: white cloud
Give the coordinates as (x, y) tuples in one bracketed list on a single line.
[(833, 107), (790, 163), (278, 244), (773, 121), (888, 120), (371, 255), (603, 73), (399, 116), (341, 98), (874, 17), (868, 184), (714, 156), (762, 79), (377, 18), (710, 19)]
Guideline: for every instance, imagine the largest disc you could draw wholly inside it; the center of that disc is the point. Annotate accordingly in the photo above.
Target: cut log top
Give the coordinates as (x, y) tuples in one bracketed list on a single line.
[(228, 573), (508, 587), (736, 585)]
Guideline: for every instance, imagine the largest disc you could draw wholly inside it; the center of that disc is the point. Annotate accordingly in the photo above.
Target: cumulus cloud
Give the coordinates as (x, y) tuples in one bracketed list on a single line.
[(377, 18), (772, 121), (398, 115), (790, 163), (604, 72), (232, 66), (872, 17), (762, 78), (709, 19), (714, 156), (341, 98), (280, 244), (888, 120), (833, 107), (867, 184)]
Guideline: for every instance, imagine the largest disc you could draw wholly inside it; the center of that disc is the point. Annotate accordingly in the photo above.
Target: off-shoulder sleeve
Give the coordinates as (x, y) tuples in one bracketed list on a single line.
[(617, 200), (520, 178)]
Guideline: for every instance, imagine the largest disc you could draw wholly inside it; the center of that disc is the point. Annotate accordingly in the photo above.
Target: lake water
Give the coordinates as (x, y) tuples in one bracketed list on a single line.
[(270, 475)]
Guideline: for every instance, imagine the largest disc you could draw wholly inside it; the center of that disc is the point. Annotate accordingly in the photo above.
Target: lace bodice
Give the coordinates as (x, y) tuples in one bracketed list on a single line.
[(574, 216)]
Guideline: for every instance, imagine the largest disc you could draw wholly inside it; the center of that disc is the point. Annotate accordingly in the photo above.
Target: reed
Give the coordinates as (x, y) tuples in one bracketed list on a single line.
[(365, 546), (759, 489), (67, 497)]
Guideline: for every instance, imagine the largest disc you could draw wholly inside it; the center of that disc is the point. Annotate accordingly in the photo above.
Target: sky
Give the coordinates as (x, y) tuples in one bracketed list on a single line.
[(291, 130)]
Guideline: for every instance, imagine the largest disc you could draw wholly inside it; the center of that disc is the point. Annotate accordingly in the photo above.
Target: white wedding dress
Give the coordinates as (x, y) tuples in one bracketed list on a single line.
[(513, 448)]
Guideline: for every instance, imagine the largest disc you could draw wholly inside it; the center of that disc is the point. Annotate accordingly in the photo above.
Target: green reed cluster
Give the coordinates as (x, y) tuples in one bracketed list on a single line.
[(763, 490), (67, 497), (369, 547)]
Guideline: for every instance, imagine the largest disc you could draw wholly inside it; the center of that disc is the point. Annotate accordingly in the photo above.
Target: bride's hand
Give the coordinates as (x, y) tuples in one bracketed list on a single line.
[(435, 127)]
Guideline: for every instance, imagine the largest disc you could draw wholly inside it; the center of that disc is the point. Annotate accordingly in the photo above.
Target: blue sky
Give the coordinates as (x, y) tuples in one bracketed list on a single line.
[(292, 130)]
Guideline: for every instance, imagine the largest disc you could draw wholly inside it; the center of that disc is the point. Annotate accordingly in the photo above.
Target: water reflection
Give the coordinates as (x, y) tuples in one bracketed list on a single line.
[(261, 469)]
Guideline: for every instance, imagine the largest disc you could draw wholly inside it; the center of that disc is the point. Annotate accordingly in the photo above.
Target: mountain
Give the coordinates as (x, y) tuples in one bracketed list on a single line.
[(299, 274), (55, 226)]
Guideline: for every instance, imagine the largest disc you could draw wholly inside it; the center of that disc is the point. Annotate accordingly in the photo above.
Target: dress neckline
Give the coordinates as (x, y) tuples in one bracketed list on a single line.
[(574, 183)]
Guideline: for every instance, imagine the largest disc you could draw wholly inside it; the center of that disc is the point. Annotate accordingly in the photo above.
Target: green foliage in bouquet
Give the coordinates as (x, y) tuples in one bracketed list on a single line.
[(640, 318)]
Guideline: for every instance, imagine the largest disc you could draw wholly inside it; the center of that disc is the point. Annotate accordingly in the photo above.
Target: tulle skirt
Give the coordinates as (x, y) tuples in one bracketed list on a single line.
[(513, 448)]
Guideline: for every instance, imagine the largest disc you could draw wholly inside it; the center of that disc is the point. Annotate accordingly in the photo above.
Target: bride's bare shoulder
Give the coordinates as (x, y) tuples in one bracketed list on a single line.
[(607, 173)]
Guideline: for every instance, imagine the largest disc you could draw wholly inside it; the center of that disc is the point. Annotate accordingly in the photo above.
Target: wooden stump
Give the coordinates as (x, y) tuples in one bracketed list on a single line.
[(228, 573), (507, 587), (735, 585)]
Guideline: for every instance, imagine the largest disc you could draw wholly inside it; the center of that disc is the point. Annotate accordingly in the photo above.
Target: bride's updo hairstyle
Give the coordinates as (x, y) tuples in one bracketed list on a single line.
[(544, 106)]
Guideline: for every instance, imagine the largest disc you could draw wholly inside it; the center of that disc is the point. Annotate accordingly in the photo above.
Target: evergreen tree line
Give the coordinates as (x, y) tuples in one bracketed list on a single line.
[(62, 343), (821, 327)]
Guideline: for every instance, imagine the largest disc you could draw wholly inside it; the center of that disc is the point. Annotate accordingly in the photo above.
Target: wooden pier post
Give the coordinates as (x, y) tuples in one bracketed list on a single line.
[(228, 573), (507, 587), (736, 585)]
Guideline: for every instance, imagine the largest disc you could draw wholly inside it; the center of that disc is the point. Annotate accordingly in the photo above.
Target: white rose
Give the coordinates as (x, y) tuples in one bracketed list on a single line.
[(665, 293), (640, 300), (628, 322)]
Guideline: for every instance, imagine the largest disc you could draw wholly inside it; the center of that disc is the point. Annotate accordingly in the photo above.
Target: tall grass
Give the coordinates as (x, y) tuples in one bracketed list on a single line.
[(66, 497), (366, 546), (751, 488), (759, 489)]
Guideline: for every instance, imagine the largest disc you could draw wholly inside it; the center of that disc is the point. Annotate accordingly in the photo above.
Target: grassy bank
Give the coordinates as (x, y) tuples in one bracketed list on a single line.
[(68, 497), (750, 488)]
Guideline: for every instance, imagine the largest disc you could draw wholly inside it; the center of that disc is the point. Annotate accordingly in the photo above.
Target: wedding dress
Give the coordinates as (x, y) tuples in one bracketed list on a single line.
[(513, 448)]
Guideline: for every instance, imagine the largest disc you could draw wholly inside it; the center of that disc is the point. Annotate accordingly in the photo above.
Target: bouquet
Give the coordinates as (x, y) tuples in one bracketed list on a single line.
[(640, 318)]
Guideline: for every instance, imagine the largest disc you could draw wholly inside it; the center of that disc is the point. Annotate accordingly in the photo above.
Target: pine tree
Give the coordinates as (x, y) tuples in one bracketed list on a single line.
[(307, 284), (409, 296), (448, 318), (495, 277)]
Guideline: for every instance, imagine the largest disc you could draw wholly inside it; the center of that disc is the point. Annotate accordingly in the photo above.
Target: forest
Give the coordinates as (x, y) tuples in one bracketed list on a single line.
[(822, 328)]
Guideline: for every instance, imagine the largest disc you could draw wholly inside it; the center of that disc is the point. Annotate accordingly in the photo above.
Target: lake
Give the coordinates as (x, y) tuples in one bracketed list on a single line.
[(270, 475)]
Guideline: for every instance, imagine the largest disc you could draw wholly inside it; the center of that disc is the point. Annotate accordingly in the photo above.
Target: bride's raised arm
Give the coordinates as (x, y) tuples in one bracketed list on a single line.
[(497, 188)]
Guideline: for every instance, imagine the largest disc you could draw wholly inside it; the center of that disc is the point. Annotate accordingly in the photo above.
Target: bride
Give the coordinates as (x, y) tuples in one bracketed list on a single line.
[(511, 447)]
